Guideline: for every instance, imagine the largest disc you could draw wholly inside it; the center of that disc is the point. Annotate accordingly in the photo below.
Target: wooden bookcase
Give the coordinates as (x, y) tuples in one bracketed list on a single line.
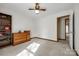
[(5, 29)]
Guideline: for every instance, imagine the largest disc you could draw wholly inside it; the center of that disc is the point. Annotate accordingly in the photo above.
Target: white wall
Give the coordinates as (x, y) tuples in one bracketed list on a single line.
[(47, 26), (19, 21), (76, 11), (34, 28)]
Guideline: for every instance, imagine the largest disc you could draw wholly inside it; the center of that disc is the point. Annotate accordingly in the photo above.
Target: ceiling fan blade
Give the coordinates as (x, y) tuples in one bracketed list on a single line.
[(30, 9), (42, 9)]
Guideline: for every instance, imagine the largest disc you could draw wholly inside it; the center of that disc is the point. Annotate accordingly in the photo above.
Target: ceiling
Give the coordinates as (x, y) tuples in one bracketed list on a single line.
[(51, 8)]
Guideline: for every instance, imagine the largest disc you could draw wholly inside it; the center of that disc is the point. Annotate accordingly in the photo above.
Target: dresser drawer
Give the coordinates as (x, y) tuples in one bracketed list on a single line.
[(20, 37), (18, 42), (23, 39), (17, 37)]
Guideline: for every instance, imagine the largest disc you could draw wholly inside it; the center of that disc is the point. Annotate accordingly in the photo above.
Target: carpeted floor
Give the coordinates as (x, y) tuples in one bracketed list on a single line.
[(38, 47)]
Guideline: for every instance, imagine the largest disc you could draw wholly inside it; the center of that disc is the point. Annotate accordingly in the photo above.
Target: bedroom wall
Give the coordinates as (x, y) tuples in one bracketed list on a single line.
[(47, 26)]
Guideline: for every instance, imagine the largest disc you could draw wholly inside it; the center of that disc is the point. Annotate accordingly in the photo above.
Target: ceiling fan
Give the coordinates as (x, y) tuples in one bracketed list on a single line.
[(37, 8)]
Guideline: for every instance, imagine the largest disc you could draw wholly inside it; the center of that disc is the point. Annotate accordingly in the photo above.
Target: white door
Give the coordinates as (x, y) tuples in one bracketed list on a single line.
[(71, 31)]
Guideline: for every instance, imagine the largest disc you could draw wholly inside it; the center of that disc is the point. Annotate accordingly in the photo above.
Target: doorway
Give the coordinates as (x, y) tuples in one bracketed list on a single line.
[(63, 28), (67, 29)]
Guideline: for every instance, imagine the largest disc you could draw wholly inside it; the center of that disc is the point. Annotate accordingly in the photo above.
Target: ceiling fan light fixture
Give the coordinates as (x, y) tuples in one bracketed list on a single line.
[(37, 8), (37, 11)]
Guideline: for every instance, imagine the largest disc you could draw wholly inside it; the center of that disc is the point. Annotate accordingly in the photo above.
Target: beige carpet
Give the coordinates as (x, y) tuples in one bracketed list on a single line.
[(38, 47)]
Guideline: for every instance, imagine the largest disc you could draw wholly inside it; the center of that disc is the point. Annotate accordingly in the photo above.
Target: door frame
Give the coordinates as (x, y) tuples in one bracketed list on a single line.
[(73, 30), (73, 25), (65, 25)]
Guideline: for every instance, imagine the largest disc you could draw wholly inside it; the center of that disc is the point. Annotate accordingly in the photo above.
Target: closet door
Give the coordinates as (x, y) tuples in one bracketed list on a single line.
[(71, 32)]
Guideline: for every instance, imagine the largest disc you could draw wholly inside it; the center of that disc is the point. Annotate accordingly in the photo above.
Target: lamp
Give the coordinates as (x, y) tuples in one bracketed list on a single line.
[(37, 11)]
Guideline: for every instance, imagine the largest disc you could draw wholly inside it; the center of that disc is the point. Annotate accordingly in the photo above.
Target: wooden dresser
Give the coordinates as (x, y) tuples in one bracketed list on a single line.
[(21, 37)]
